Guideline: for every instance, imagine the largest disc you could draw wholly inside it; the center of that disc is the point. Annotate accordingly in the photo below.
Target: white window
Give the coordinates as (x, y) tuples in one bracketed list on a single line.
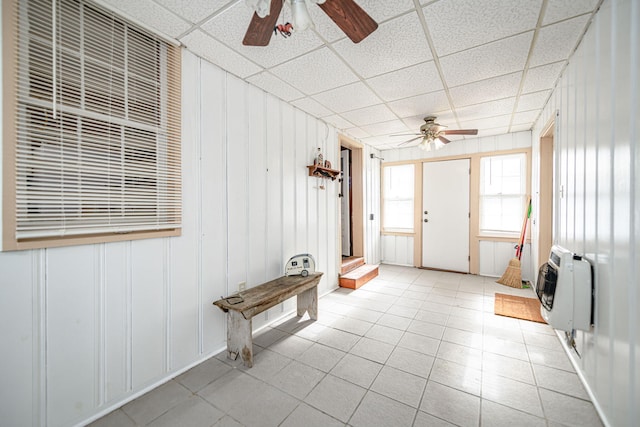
[(398, 198), (503, 187), (97, 125)]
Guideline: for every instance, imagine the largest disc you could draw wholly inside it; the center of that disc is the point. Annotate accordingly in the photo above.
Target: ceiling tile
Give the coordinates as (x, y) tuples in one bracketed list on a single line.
[(368, 115), (420, 105), (557, 41), (312, 107), (486, 109), (533, 101), (382, 10), (543, 77), (558, 10), (445, 118), (490, 60), (151, 14), (338, 121), (494, 131), (274, 85), (386, 128), (456, 25), (193, 10), (357, 133), (526, 117), (395, 44), (487, 123), (229, 27), (410, 81), (521, 128), (307, 75), (486, 90), (219, 54), (347, 98)]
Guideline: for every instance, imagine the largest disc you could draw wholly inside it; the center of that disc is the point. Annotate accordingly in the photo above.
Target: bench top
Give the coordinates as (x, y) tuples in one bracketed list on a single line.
[(262, 297)]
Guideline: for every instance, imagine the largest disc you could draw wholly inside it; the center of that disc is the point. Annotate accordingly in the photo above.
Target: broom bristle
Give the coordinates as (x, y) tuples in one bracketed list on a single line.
[(512, 276)]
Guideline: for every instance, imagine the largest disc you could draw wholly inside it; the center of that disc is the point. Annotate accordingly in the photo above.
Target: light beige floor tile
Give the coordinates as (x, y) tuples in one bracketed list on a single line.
[(466, 338), (559, 381), (496, 415), (374, 350), (357, 370), (509, 367), (427, 329), (266, 364), (398, 385), (552, 358), (155, 403), (427, 420), (431, 317), (193, 412), (569, 410), (206, 372), (385, 334), (336, 397), (297, 379), (291, 346), (231, 389), (460, 354), (116, 418), (353, 326), (419, 343), (321, 357), (269, 336), (376, 410), (542, 340), (511, 393), (466, 324), (267, 406), (505, 348), (393, 321), (457, 376), (452, 405), (305, 415), (227, 421), (411, 361), (338, 339)]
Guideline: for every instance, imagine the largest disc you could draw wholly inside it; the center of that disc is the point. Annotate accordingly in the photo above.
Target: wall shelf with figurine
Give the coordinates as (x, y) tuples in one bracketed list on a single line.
[(323, 172)]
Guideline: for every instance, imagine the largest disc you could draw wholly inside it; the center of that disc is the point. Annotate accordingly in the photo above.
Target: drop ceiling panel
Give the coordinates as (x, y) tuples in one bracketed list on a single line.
[(487, 123), (490, 60), (525, 117), (338, 121), (274, 85), (193, 10), (407, 82), (420, 105), (543, 77), (347, 98), (219, 54), (533, 101), (368, 115), (386, 128), (557, 41), (381, 11), (312, 107), (558, 10), (486, 90), (395, 44), (487, 109), (308, 76), (151, 14), (456, 25), (357, 133)]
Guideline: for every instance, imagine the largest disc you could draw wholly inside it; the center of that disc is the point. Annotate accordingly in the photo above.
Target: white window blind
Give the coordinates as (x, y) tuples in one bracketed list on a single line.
[(398, 198), (503, 187), (98, 124)]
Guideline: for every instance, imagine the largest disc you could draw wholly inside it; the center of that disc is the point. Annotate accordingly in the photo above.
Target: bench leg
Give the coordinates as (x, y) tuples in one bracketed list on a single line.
[(239, 341), (308, 301)]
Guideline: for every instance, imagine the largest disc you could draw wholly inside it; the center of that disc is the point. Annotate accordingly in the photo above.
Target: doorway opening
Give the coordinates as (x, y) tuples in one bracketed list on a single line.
[(352, 198), (346, 202)]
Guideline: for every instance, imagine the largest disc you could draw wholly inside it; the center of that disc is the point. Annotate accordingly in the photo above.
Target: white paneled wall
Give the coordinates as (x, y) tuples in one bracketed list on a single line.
[(495, 256), (397, 249), (87, 328), (597, 193)]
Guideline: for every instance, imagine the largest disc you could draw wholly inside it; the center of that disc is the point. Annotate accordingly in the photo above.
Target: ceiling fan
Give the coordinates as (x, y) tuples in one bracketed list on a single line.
[(350, 17), (431, 131)]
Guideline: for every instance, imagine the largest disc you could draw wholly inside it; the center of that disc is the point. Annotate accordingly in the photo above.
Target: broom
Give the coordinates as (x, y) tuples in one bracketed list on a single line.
[(513, 275)]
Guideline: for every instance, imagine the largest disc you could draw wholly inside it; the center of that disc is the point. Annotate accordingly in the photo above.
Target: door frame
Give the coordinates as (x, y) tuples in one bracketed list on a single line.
[(357, 196), (546, 171)]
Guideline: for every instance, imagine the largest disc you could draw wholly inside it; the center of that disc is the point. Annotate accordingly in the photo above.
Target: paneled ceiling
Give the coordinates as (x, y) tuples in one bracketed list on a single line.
[(485, 64)]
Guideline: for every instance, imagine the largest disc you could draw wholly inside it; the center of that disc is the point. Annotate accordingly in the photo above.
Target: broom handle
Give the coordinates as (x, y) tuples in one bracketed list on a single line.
[(524, 232)]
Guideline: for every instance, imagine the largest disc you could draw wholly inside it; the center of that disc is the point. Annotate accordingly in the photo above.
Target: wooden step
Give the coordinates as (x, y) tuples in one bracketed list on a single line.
[(351, 263), (358, 277)]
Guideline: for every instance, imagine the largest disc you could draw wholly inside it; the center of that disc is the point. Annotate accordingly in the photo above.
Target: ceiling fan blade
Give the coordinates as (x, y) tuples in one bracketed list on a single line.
[(461, 132), (444, 140), (261, 29), (351, 18), (410, 140)]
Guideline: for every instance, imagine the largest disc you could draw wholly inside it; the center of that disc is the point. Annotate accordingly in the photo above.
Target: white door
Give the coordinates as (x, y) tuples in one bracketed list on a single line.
[(445, 215), (345, 203)]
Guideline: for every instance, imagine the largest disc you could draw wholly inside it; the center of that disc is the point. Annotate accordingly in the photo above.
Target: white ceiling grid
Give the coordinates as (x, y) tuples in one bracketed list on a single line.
[(485, 64)]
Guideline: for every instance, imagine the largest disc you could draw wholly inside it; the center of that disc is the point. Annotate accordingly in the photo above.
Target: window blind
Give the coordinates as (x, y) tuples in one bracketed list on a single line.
[(98, 124)]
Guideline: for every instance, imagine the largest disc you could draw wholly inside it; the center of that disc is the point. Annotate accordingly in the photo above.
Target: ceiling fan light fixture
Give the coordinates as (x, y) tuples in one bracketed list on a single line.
[(300, 15)]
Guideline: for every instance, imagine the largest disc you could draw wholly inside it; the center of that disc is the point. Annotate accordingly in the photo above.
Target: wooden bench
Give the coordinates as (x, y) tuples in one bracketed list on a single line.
[(241, 308)]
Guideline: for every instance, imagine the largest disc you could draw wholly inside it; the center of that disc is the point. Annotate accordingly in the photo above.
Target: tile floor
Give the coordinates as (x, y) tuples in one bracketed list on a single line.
[(410, 348)]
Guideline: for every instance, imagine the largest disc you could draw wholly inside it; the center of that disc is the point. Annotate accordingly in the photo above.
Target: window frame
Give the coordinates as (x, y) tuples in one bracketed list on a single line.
[(395, 230), (171, 83)]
